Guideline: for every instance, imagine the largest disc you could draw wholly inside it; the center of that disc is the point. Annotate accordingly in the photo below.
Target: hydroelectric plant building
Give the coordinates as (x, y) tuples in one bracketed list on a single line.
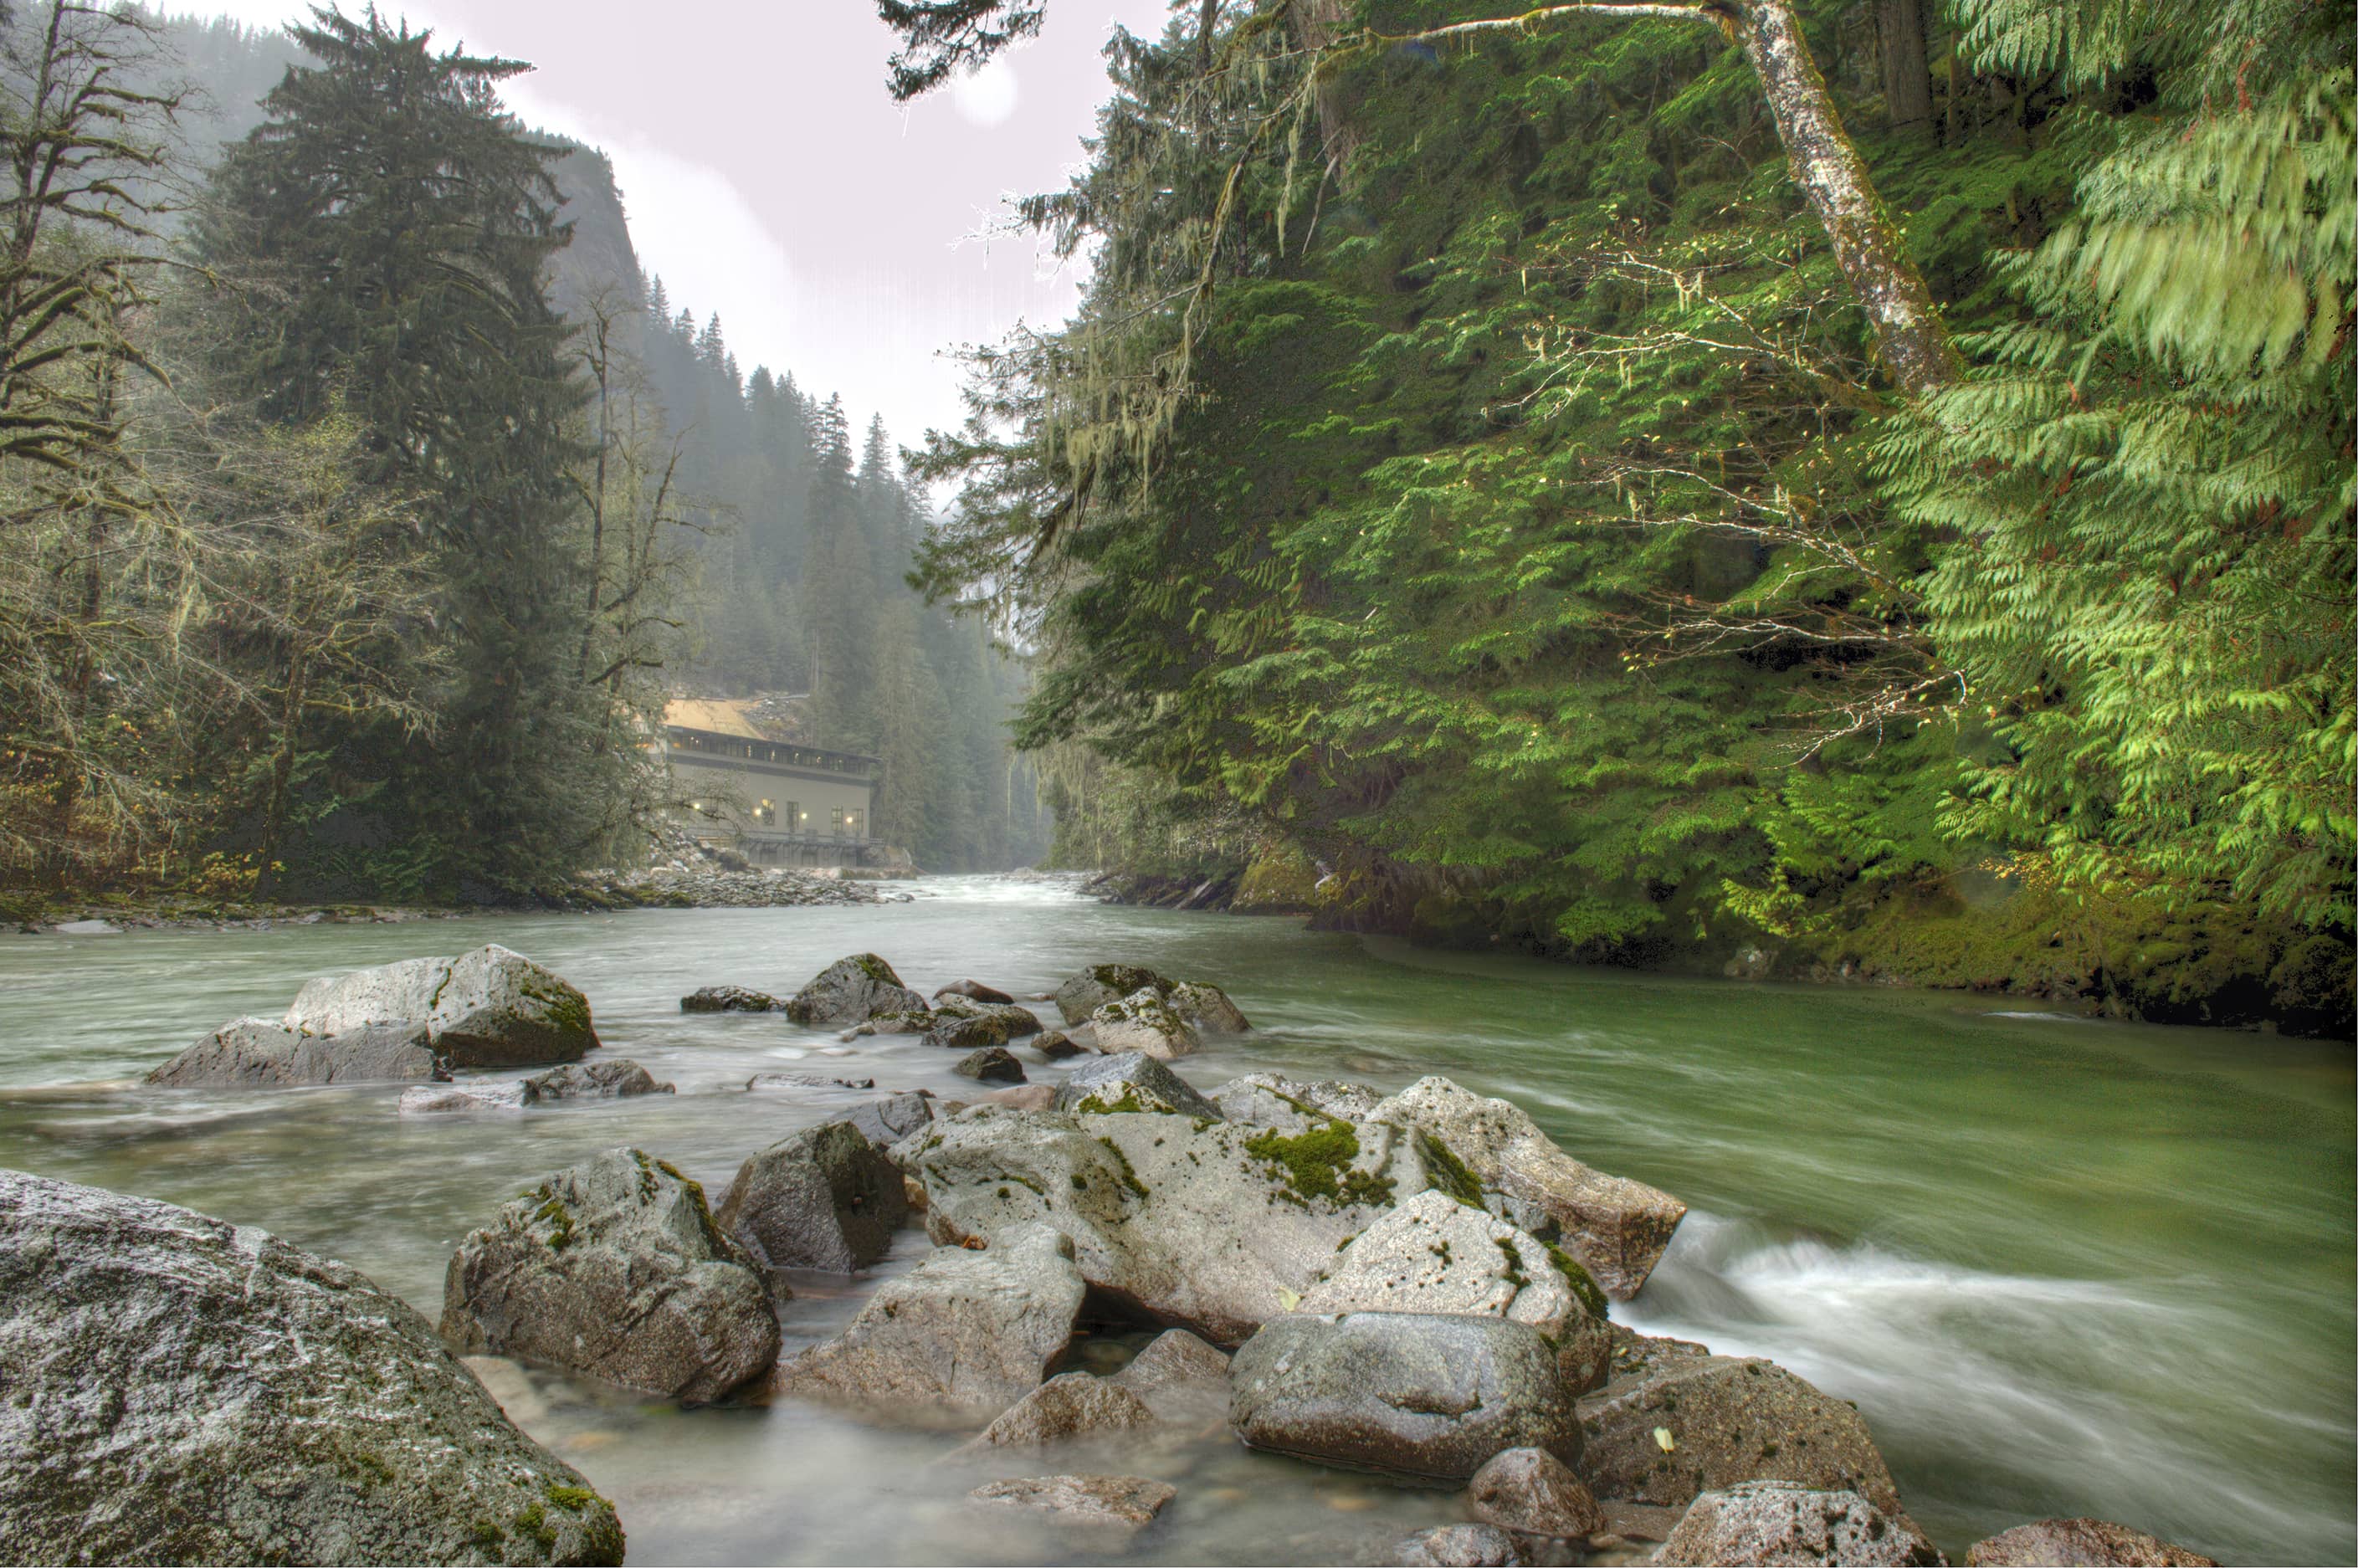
[(778, 803)]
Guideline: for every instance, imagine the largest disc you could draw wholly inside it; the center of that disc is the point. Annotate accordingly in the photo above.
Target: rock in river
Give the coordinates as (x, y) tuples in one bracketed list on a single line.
[(1530, 1490), (824, 1198), (180, 1390), (1178, 1373), (1142, 1021), (991, 1065), (1131, 1081), (613, 1268), (1428, 1397), (1211, 1226), (1289, 1105), (1435, 1254), (1207, 1008), (488, 1007), (1124, 1503), (968, 1333), (974, 991), (729, 999), (1758, 1523), (262, 1053), (1071, 1404), (886, 1121), (620, 1078), (1616, 1227), (1461, 1546), (1727, 1419), (1101, 983), (853, 990), (2080, 1543)]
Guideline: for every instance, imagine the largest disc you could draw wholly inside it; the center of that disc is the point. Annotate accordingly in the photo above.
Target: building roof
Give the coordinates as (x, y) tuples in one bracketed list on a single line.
[(714, 716)]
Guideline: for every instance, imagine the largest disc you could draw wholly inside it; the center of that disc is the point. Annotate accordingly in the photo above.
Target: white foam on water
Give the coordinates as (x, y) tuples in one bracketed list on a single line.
[(2041, 1389)]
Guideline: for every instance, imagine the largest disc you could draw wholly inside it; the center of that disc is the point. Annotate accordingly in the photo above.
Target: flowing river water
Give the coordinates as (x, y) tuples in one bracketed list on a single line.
[(2063, 1267)]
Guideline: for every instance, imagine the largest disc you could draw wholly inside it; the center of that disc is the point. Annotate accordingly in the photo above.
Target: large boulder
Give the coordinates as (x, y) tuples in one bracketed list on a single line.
[(1131, 1081), (1101, 983), (964, 1332), (1432, 1254), (614, 1268), (1211, 1226), (1142, 1021), (1678, 1424), (729, 999), (853, 990), (1616, 1227), (1532, 1492), (1757, 1523), (489, 1008), (824, 1198), (2080, 1543), (1207, 1008), (180, 1389), (971, 1031), (620, 1078), (262, 1053), (886, 1121), (1292, 1105), (1070, 1405), (1426, 1396)]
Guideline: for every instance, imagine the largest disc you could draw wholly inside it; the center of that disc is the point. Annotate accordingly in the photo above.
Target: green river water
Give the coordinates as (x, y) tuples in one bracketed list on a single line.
[(2063, 1267)]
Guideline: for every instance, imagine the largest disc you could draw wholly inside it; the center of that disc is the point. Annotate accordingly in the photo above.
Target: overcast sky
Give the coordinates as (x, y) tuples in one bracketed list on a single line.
[(768, 176)]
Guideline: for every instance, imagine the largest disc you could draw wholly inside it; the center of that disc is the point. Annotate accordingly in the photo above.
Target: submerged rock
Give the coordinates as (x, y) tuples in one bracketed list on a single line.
[(824, 1198), (1143, 1022), (1461, 1546), (1071, 1404), (991, 1065), (1617, 1229), (1207, 1008), (2080, 1543), (498, 1095), (853, 990), (1292, 1105), (1763, 1522), (1101, 983), (1727, 1420), (968, 1332), (729, 999), (1211, 1226), (1116, 1502), (619, 1079), (262, 1053), (1432, 1254), (760, 1081), (1531, 1491), (488, 1007), (1133, 1081), (1178, 1372), (613, 1268), (1430, 1397), (180, 1389)]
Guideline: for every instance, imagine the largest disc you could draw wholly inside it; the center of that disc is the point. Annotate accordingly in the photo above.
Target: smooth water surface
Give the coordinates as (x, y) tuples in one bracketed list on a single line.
[(2063, 1267)]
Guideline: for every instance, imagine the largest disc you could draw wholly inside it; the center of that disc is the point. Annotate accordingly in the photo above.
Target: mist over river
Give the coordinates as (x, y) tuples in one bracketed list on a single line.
[(2063, 1267)]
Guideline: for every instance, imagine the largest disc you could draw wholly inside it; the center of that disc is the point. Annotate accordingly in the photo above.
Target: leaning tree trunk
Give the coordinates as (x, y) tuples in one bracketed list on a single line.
[(1907, 76), (1314, 24), (1834, 181)]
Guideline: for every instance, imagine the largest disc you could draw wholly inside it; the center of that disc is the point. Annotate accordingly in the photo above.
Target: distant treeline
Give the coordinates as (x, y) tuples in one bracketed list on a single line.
[(359, 520)]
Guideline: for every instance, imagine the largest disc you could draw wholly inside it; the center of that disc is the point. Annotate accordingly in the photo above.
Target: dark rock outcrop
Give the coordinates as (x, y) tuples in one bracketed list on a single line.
[(991, 1065), (1758, 1523), (180, 1389), (824, 1198), (1431, 1397), (262, 1053), (964, 1332), (614, 1268), (730, 998), (853, 990)]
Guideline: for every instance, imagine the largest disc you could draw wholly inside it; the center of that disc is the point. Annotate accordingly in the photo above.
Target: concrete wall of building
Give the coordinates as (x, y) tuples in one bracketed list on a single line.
[(779, 806)]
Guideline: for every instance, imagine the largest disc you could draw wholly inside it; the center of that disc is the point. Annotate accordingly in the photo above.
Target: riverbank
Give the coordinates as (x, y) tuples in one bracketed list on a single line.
[(1973, 931), (2061, 1267)]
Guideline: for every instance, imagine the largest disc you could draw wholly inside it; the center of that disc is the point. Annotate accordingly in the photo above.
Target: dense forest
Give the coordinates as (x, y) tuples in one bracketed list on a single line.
[(365, 503), (1815, 486)]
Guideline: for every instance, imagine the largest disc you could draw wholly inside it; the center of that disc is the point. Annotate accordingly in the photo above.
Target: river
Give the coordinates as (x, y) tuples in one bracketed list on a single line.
[(2063, 1267)]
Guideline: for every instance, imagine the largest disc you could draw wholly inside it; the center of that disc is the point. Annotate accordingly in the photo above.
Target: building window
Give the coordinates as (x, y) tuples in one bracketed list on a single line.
[(766, 813), (797, 819), (851, 824)]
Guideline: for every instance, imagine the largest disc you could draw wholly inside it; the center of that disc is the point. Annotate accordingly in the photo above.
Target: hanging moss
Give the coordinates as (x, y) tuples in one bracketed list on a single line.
[(1584, 1284)]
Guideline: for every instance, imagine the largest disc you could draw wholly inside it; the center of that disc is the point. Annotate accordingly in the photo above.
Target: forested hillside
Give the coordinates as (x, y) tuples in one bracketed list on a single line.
[(1599, 484), (365, 501)]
